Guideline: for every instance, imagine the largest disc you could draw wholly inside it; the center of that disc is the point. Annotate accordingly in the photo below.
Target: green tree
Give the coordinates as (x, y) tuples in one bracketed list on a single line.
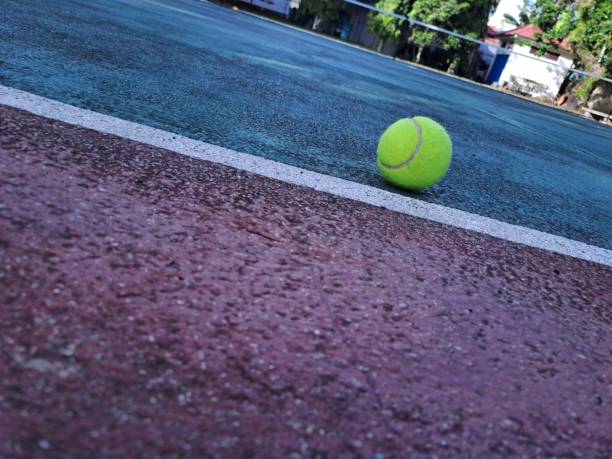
[(591, 36), (327, 10), (465, 17), (587, 24), (521, 20), (386, 27), (472, 22), (434, 12), (509, 19), (546, 13)]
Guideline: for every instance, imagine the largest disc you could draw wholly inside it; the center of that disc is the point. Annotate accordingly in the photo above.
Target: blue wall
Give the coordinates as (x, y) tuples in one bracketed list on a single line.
[(497, 68)]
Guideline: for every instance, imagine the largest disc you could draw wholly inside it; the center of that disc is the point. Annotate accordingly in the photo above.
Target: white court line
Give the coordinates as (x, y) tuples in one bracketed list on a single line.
[(363, 193)]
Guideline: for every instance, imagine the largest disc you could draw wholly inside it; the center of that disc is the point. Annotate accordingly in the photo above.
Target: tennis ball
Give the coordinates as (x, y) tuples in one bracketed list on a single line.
[(414, 153)]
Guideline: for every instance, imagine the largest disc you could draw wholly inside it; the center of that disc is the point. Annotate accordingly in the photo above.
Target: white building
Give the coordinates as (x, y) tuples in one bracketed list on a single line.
[(526, 70)]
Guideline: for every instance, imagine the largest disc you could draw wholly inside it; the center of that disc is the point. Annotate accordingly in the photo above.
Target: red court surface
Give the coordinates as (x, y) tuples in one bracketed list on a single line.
[(154, 305)]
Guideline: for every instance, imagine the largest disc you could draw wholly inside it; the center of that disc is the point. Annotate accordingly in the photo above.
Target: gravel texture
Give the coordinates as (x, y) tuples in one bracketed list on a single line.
[(229, 79), (153, 305)]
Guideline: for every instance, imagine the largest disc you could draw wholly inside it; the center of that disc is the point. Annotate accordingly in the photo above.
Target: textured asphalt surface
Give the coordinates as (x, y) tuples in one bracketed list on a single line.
[(154, 305), (233, 80)]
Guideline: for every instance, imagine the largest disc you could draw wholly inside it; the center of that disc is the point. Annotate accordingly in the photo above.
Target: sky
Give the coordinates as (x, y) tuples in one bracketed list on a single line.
[(512, 7)]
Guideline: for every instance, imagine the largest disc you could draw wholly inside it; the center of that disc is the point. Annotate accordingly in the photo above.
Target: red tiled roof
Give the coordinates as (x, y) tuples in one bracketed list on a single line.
[(529, 32), (526, 31)]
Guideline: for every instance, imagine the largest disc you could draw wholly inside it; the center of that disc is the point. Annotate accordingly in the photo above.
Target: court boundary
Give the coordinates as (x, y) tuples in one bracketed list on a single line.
[(176, 143)]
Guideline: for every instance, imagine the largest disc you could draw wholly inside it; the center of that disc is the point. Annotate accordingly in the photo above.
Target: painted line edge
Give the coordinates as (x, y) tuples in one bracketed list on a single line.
[(107, 124)]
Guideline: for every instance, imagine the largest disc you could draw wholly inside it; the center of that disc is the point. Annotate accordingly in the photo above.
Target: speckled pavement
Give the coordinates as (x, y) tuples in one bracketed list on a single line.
[(232, 80), (153, 305)]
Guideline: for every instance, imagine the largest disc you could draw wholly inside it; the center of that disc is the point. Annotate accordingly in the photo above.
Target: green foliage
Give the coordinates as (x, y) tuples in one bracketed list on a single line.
[(466, 17), (592, 35), (509, 19), (524, 13), (546, 13), (587, 23), (585, 88), (384, 26), (459, 15), (436, 13), (327, 10)]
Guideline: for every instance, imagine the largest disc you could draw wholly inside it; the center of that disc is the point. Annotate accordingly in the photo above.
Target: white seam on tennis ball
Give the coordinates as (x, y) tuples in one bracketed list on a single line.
[(336, 186), (414, 153)]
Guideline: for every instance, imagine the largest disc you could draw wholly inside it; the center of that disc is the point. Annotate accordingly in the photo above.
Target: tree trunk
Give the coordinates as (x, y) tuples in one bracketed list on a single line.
[(419, 54), (381, 45)]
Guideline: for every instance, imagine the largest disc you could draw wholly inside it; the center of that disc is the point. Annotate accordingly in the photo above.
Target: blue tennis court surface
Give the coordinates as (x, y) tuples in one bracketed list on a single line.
[(230, 79)]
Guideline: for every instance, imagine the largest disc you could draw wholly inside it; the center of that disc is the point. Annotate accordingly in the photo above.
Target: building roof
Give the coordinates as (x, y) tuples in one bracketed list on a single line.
[(491, 32), (529, 32), (492, 41)]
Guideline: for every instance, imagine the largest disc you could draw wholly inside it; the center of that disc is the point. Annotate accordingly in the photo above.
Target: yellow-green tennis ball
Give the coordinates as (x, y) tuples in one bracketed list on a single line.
[(414, 153)]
